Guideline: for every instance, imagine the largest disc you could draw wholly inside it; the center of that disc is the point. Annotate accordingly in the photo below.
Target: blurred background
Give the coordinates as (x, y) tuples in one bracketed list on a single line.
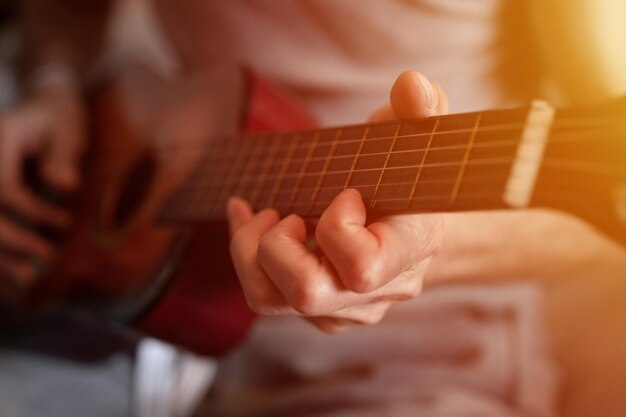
[(569, 55)]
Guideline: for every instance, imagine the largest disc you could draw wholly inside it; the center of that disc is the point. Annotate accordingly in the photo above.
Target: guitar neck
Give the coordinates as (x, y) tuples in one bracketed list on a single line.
[(474, 161)]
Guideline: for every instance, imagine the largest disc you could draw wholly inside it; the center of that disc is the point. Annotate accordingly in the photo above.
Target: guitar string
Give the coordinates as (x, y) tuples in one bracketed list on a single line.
[(563, 163), (488, 180), (550, 189), (429, 203), (582, 166), (475, 181), (210, 169), (232, 141), (572, 165), (480, 145)]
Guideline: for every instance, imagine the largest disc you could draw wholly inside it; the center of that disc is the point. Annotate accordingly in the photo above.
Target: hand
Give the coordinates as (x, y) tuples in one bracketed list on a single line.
[(359, 269), (49, 126)]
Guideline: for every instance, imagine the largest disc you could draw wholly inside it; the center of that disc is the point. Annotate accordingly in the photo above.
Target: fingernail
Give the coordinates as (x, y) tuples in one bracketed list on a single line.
[(432, 96)]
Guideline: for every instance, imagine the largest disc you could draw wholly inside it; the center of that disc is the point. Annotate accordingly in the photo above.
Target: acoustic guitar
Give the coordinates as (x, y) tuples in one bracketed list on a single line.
[(151, 217)]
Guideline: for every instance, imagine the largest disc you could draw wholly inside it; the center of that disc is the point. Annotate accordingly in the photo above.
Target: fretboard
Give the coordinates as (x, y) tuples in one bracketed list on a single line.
[(444, 163)]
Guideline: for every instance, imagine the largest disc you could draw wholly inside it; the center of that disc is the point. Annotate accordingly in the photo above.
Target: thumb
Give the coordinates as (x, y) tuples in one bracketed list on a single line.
[(413, 96)]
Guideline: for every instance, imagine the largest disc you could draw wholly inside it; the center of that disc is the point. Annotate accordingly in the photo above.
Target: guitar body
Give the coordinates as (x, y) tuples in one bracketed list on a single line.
[(148, 134), (149, 235), (114, 241)]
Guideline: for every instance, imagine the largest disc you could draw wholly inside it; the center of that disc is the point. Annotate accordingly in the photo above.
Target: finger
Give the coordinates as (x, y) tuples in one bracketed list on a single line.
[(383, 114), (308, 284), (261, 294), (15, 194), (413, 96), (61, 160), (19, 240), (367, 258), (238, 212)]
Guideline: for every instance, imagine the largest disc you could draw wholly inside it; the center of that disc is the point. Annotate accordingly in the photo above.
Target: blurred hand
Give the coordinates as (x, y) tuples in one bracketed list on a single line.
[(50, 127), (358, 268)]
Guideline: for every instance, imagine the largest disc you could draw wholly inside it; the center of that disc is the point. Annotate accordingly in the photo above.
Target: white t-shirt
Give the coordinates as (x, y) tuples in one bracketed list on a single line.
[(340, 57), (454, 351)]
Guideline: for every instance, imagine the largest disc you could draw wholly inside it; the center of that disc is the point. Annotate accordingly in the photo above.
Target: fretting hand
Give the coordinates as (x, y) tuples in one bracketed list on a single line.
[(357, 269)]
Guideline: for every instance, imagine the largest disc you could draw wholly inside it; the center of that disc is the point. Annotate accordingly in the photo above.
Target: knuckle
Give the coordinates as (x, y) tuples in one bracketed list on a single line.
[(258, 303), (309, 299), (364, 276), (266, 245)]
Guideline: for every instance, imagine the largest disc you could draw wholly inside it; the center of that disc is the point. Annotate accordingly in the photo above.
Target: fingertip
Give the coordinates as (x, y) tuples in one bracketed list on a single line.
[(413, 96), (269, 214), (238, 212), (349, 199), (346, 212)]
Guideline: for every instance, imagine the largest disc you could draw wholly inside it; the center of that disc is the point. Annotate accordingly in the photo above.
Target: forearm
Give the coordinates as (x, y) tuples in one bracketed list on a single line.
[(65, 33), (537, 244)]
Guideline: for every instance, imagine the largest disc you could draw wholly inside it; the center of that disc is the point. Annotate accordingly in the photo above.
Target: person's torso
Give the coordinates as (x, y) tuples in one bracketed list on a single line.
[(341, 57)]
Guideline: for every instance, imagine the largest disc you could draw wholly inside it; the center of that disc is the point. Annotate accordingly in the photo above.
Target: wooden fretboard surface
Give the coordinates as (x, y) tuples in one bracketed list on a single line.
[(445, 163)]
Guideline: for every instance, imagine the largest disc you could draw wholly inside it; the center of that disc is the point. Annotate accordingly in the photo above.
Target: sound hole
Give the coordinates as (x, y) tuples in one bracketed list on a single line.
[(135, 189)]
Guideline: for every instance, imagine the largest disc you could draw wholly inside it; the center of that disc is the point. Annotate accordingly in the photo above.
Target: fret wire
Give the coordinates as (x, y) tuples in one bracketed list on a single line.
[(264, 170), (196, 192), (238, 146), (382, 171), (240, 161), (482, 145), (559, 164), (475, 162), (333, 146), (216, 178), (416, 135), (357, 156), (421, 166), (433, 197), (485, 145), (305, 165), (493, 128), (555, 139), (283, 171), (562, 123), (242, 182), (455, 192), (473, 180)]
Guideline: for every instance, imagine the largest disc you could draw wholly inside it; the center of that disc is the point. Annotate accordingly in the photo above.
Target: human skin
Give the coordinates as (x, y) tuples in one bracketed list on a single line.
[(360, 268)]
